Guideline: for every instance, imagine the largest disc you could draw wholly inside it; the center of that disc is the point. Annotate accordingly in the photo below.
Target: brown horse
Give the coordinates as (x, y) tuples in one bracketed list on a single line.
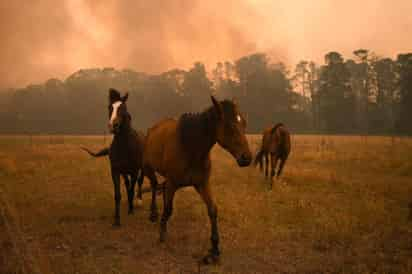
[(125, 152), (180, 151), (276, 143)]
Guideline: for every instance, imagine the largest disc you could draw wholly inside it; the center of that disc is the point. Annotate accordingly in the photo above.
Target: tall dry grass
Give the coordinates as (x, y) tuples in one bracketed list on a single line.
[(341, 207)]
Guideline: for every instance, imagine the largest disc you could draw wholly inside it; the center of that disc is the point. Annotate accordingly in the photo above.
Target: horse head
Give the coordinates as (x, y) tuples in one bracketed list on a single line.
[(230, 131), (119, 117)]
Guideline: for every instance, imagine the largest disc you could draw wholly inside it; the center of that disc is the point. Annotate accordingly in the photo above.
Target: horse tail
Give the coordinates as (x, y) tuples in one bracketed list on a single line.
[(103, 152)]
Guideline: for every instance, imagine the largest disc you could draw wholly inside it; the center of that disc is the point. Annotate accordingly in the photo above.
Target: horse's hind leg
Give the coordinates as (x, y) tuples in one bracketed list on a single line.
[(259, 160), (117, 197), (128, 184), (206, 195), (273, 163), (153, 182), (133, 179), (266, 165), (139, 188), (168, 195), (282, 164), (261, 164)]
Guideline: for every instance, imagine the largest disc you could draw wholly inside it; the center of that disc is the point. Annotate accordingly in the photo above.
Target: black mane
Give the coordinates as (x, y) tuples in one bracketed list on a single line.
[(197, 127), (194, 127)]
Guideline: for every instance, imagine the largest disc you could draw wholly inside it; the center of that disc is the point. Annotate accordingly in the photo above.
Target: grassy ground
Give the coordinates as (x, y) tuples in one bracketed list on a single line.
[(341, 207)]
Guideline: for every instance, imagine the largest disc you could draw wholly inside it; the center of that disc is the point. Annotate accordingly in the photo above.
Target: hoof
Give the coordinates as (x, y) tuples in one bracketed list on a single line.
[(281, 181), (210, 259), (162, 237), (116, 223), (153, 218), (139, 202), (131, 211)]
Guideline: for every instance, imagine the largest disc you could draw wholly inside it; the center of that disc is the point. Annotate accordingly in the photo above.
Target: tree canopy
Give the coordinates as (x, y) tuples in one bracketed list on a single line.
[(366, 95)]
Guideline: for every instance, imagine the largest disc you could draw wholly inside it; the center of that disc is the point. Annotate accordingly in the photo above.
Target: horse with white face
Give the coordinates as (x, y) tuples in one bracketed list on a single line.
[(117, 112), (125, 152)]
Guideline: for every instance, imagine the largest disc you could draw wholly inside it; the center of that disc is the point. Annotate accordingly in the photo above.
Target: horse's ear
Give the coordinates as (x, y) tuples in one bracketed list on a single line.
[(217, 106), (124, 98), (114, 95)]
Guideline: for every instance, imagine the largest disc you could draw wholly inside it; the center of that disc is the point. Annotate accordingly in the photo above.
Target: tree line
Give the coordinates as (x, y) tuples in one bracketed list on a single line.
[(366, 94)]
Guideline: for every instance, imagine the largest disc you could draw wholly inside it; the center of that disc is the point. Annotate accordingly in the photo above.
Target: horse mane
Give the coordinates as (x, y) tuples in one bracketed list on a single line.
[(275, 127), (196, 128)]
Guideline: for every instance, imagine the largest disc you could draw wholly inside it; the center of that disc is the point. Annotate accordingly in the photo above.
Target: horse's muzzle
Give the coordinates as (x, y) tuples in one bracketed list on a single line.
[(244, 160)]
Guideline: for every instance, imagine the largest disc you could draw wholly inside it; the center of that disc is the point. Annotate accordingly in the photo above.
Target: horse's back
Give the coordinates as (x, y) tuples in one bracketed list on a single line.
[(160, 144), (161, 131), (276, 139), (266, 138), (284, 139)]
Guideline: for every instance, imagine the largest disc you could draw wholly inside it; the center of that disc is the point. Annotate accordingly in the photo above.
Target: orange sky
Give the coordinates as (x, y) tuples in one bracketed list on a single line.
[(47, 38)]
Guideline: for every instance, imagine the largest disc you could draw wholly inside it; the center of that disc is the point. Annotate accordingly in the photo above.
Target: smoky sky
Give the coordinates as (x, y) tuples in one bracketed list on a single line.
[(41, 39)]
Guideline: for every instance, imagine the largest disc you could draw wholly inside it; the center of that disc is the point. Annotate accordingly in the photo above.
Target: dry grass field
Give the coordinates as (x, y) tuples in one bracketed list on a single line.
[(341, 207)]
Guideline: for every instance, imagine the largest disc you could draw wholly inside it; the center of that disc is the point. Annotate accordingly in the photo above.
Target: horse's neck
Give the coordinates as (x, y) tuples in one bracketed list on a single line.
[(204, 150), (207, 140), (123, 135), (198, 135)]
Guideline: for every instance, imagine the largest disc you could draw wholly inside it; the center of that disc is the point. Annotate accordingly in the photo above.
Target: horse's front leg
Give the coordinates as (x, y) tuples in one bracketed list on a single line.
[(169, 190), (127, 186), (214, 252), (273, 164), (130, 192), (117, 197)]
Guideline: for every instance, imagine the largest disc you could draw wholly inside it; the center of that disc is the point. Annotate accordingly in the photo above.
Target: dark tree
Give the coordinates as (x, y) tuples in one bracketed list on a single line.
[(335, 95), (365, 95), (404, 62)]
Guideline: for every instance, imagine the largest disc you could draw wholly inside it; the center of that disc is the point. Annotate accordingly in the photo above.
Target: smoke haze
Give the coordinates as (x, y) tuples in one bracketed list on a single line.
[(44, 38)]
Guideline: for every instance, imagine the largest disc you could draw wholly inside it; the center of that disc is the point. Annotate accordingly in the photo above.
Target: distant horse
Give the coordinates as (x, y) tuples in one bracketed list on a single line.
[(276, 143), (125, 152), (180, 151)]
